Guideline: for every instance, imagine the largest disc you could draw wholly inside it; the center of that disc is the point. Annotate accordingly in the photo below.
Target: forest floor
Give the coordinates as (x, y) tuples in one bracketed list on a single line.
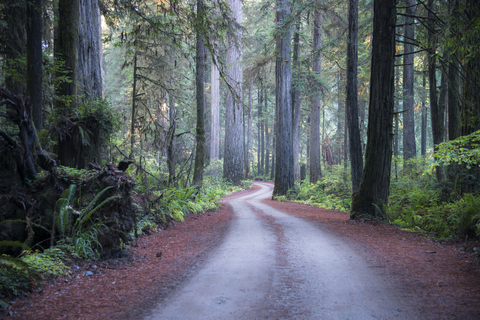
[(442, 278)]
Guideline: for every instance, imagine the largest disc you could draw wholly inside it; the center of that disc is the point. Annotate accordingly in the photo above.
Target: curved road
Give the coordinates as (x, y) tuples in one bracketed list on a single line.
[(272, 265)]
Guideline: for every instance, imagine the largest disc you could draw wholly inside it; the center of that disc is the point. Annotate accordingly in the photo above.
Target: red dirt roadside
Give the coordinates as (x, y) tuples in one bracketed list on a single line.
[(443, 277)]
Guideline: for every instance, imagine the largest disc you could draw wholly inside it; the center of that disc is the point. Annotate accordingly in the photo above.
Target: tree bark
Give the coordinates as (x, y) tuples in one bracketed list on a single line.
[(90, 51), (234, 144), (66, 45), (265, 126), (249, 130), (453, 101), (470, 107), (340, 119), (215, 114), (296, 104), (13, 41), (134, 98), (66, 49), (436, 115), (373, 191), (200, 96), (423, 148), (409, 148), (259, 146), (171, 163), (274, 152), (352, 99), (34, 61), (315, 160), (284, 117), (262, 136)]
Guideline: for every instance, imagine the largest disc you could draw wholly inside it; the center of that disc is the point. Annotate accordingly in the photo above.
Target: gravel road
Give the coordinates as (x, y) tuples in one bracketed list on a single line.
[(272, 265)]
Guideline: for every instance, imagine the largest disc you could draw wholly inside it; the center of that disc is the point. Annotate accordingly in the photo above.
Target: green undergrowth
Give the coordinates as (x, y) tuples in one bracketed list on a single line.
[(27, 272), (417, 202), (174, 203), (421, 210), (332, 191), (420, 203)]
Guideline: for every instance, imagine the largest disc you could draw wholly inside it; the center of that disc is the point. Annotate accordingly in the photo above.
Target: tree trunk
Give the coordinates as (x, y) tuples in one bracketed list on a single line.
[(259, 130), (14, 40), (66, 49), (374, 187), (134, 98), (200, 79), (215, 114), (453, 101), (249, 130), (424, 117), (90, 51), (233, 163), (409, 148), (396, 135), (442, 104), (162, 117), (66, 45), (296, 104), (341, 120), (315, 160), (267, 149), (262, 136), (436, 115), (470, 107), (34, 61), (352, 100), (171, 140), (274, 151), (284, 117), (265, 122)]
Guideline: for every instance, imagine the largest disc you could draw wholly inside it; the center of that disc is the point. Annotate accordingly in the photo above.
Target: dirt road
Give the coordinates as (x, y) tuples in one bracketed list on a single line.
[(272, 265)]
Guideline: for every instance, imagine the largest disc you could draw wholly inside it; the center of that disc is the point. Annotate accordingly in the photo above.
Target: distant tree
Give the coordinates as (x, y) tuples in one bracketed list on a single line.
[(233, 165), (284, 179), (315, 160), (215, 113), (423, 126), (355, 145), (296, 100), (249, 130), (409, 147), (436, 113), (373, 191)]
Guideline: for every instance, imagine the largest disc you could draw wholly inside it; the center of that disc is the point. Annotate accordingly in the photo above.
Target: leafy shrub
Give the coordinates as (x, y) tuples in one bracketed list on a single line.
[(77, 228), (332, 191), (412, 210), (15, 274), (174, 203), (47, 263)]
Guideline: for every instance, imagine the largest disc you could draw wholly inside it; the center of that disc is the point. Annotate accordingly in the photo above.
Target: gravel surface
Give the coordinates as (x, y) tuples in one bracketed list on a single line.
[(272, 265)]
